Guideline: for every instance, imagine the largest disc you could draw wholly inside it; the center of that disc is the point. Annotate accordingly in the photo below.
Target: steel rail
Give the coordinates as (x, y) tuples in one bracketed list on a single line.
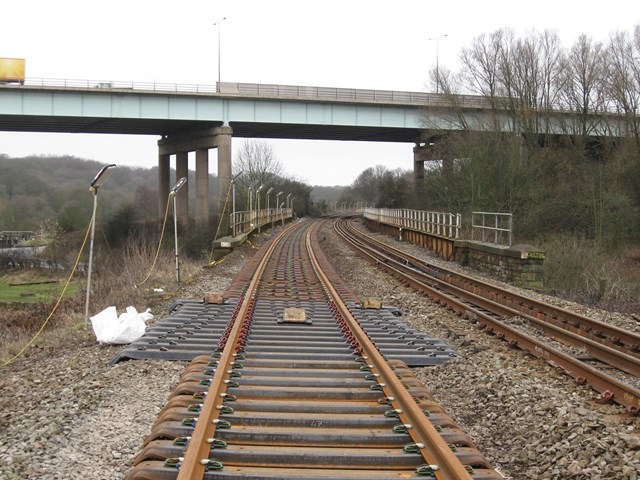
[(599, 350), (197, 452), (610, 387), (303, 400), (615, 337), (433, 449)]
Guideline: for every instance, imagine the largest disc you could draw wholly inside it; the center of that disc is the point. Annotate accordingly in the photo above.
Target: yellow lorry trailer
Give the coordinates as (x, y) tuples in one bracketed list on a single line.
[(11, 70)]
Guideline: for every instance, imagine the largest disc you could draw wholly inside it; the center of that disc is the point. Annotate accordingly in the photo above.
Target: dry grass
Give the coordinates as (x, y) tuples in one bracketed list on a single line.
[(117, 280), (577, 269)]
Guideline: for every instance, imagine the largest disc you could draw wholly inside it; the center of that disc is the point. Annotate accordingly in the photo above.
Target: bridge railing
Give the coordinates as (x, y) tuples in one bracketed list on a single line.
[(492, 227), (119, 85), (436, 223), (349, 94), (246, 221), (267, 90)]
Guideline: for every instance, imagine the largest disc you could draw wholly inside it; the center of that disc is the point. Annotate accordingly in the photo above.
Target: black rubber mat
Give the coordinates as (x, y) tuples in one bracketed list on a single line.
[(194, 328)]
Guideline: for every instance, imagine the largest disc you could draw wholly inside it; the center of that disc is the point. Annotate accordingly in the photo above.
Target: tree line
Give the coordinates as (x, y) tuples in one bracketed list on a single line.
[(557, 145)]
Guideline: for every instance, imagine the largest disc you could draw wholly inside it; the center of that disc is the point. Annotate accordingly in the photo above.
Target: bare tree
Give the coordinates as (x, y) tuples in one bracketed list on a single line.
[(257, 160), (623, 79), (581, 86)]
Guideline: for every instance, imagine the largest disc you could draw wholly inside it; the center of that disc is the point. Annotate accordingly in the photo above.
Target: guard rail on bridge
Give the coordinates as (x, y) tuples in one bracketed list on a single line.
[(245, 222), (266, 90), (446, 225), (492, 227)]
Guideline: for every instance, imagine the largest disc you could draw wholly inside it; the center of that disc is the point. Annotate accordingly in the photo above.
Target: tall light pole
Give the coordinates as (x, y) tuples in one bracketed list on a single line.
[(268, 204), (288, 196), (258, 209), (277, 197), (233, 204), (96, 183), (173, 193), (218, 23), (437, 62), (251, 203)]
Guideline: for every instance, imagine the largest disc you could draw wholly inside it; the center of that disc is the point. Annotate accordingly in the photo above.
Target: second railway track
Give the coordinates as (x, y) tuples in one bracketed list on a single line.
[(490, 305), (303, 393)]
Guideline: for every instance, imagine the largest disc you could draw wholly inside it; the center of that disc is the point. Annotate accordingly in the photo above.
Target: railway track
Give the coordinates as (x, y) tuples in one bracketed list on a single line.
[(490, 306), (302, 393)]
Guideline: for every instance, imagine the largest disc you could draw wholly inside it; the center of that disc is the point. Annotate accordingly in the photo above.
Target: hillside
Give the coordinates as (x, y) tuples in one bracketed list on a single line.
[(38, 188)]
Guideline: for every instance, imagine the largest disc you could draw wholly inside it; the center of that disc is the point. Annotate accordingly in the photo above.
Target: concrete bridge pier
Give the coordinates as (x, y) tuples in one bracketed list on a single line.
[(180, 145), (426, 152)]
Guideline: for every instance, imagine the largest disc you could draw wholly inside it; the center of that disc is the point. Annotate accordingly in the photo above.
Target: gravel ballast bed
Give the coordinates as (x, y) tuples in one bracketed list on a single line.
[(66, 414)]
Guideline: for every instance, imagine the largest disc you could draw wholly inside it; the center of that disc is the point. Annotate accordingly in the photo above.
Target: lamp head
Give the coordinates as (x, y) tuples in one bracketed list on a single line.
[(101, 177), (178, 185)]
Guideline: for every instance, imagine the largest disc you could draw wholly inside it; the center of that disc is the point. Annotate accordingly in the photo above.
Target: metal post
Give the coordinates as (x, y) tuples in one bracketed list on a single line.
[(277, 199), (258, 209), (269, 206), (97, 182), (234, 221), (93, 231), (282, 213), (173, 194), (437, 61), (219, 49)]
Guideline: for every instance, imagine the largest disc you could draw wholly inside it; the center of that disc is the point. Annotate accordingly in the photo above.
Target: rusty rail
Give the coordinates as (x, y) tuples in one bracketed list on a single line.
[(442, 285), (320, 403)]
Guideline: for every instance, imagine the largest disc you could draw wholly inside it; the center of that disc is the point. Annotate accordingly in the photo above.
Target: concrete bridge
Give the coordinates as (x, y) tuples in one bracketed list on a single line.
[(193, 118)]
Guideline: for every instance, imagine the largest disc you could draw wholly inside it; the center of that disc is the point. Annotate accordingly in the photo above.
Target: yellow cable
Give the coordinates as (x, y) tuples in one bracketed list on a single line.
[(75, 266), (155, 260), (224, 209)]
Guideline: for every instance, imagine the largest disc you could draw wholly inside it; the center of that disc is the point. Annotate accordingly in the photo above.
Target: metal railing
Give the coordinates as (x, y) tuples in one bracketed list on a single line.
[(247, 221), (350, 94), (435, 223), (117, 85), (263, 90), (492, 227)]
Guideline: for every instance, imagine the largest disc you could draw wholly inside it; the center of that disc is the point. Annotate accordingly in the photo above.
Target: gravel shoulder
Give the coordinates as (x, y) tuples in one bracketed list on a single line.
[(66, 414)]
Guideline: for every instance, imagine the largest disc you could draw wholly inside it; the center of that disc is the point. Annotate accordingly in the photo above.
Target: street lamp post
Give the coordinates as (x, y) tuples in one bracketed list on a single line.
[(96, 183), (268, 204), (173, 193), (251, 203), (282, 213), (258, 209), (437, 62), (234, 228), (288, 204), (218, 24), (277, 197)]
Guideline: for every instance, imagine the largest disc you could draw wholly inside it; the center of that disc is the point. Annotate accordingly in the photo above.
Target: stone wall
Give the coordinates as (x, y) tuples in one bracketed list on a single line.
[(521, 265)]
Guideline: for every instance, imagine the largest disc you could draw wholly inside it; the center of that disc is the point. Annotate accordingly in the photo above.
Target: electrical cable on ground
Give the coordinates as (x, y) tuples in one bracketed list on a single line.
[(224, 209), (155, 260), (55, 307)]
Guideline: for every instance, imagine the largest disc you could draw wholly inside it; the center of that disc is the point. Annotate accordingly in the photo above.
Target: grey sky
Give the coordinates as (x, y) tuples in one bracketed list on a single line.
[(349, 43)]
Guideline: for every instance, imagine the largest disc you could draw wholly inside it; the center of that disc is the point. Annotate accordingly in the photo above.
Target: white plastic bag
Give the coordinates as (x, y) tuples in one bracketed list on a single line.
[(127, 328)]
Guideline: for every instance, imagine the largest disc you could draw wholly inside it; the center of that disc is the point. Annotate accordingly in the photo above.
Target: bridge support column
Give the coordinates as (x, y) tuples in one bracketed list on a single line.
[(223, 142), (418, 164), (182, 198), (202, 188), (200, 142), (163, 183)]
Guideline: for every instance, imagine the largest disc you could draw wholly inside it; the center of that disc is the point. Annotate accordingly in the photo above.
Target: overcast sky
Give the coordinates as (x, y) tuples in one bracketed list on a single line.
[(347, 43)]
